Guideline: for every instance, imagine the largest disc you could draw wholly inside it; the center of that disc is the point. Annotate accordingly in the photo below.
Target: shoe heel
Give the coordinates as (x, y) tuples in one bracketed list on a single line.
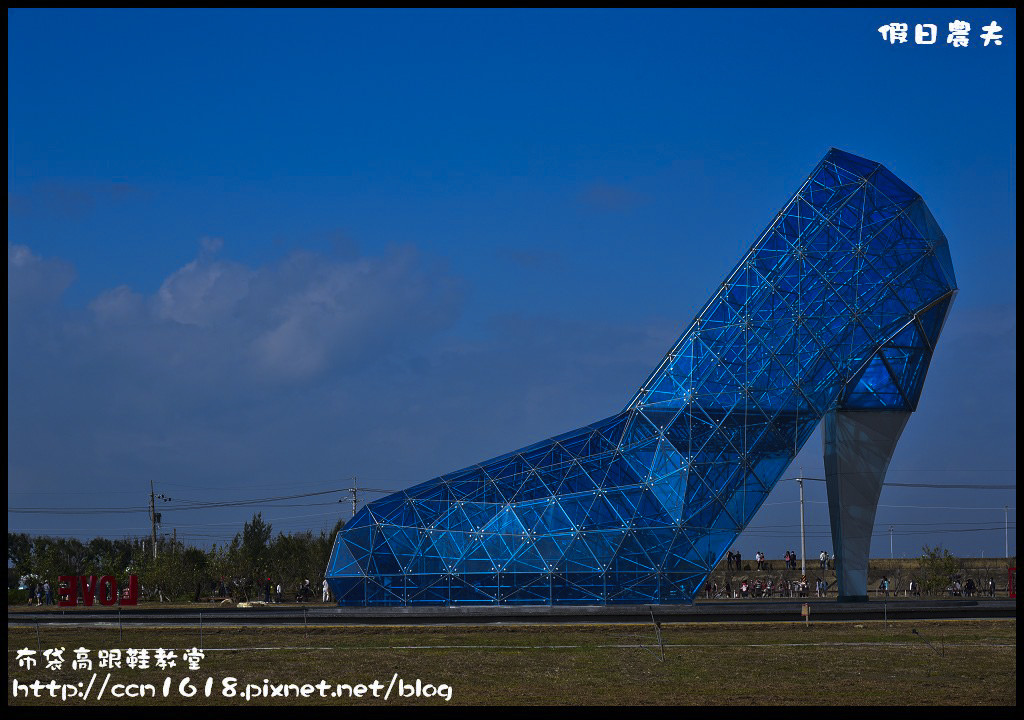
[(858, 446), (860, 436)]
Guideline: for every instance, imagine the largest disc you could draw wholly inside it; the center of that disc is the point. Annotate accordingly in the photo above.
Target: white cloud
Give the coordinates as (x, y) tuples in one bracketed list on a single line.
[(121, 305), (215, 321), (32, 279), (349, 312), (203, 293)]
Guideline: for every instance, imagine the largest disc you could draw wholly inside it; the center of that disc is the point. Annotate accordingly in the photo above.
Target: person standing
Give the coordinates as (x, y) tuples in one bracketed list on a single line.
[(737, 559), (728, 560), (48, 592), (327, 591)]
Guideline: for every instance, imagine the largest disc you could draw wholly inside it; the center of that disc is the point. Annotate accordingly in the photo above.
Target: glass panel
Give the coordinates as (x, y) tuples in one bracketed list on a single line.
[(838, 304)]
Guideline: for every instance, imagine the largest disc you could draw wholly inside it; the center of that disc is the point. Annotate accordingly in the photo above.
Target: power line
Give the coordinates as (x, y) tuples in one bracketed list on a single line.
[(186, 505), (940, 486), (759, 532), (924, 507), (279, 500)]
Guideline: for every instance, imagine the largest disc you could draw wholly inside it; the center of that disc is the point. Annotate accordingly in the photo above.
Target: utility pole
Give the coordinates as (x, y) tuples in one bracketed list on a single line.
[(890, 543), (1006, 530), (355, 502), (152, 513), (803, 545)]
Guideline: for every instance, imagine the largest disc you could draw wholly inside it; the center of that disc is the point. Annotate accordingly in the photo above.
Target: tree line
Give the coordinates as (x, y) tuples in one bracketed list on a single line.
[(179, 571)]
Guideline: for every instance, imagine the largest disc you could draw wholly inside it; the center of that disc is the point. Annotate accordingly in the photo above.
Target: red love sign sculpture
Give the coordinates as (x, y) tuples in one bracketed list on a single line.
[(104, 590)]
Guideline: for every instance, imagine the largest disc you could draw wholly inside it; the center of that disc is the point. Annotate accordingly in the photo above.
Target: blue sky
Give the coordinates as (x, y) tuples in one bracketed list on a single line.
[(265, 249)]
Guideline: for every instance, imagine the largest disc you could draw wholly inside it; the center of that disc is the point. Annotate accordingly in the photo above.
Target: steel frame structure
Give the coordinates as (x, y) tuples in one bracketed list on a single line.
[(836, 308)]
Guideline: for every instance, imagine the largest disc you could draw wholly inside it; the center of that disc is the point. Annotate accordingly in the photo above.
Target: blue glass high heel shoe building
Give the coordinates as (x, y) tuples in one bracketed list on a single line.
[(832, 315)]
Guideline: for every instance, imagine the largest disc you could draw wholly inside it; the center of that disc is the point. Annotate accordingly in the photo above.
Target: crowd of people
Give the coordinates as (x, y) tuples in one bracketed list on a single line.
[(766, 588), (733, 560), (782, 586), (272, 592), (41, 593), (770, 587), (967, 588)]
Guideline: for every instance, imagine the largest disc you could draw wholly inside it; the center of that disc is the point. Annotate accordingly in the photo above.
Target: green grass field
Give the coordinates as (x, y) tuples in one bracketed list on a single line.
[(969, 662)]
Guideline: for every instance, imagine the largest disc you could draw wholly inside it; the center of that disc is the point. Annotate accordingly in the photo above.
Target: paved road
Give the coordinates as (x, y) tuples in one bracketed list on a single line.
[(724, 611)]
